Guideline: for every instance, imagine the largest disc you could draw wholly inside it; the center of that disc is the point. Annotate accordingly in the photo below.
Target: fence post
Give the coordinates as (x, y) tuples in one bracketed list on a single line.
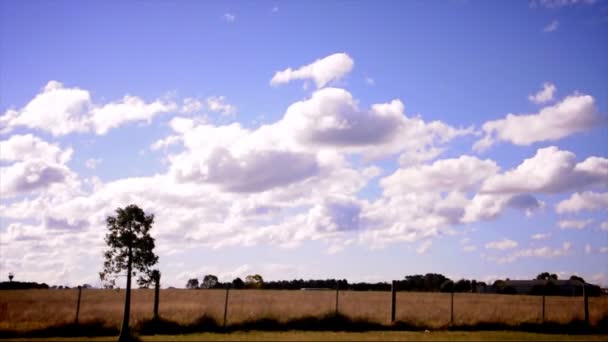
[(586, 303), (337, 296), (78, 304), (543, 316), (393, 300), (452, 307), (156, 293), (226, 306)]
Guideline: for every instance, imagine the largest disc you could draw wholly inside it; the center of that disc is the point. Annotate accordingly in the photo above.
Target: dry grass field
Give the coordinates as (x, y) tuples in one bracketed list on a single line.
[(25, 310)]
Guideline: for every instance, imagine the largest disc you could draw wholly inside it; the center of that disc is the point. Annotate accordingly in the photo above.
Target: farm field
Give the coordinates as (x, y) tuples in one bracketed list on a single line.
[(353, 336), (28, 310)]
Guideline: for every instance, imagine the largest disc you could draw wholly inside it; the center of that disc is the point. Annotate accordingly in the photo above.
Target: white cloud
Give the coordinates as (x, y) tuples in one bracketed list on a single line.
[(574, 224), (588, 249), (321, 71), (458, 174), (552, 26), (502, 244), (61, 110), (603, 249), (27, 147), (545, 94), (424, 247), (229, 17), (469, 248), (587, 200), (540, 236), (92, 163), (576, 113), (542, 252), (550, 170), (218, 104), (31, 176), (560, 3), (191, 105)]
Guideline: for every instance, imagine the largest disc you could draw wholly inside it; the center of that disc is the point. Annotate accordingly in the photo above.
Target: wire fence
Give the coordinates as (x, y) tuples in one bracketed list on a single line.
[(39, 309)]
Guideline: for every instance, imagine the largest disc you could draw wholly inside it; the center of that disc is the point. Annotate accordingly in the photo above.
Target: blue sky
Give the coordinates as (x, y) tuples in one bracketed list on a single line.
[(323, 139)]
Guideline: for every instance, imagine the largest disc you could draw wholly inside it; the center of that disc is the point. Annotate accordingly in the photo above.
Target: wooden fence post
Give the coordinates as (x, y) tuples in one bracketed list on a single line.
[(337, 296), (452, 307), (78, 304), (156, 295), (543, 316), (393, 300), (586, 303), (226, 306)]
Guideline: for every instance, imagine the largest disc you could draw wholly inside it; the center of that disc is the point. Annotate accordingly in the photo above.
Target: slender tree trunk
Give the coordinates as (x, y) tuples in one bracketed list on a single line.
[(125, 334)]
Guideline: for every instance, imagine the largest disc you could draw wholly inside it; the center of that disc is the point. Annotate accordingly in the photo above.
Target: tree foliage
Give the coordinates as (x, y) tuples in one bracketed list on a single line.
[(129, 232), (209, 281), (192, 283)]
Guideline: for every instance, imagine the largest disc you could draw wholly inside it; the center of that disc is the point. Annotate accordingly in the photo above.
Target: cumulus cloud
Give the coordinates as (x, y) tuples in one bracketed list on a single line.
[(550, 170), (502, 244), (92, 163), (27, 147), (321, 71), (587, 200), (552, 26), (575, 113), (545, 94), (220, 105), (457, 174), (61, 110), (541, 252), (424, 247), (191, 105), (32, 175), (540, 236), (574, 224)]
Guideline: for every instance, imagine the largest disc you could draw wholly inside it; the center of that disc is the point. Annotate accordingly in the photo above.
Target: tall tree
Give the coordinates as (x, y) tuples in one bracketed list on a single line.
[(192, 283), (131, 248), (209, 281)]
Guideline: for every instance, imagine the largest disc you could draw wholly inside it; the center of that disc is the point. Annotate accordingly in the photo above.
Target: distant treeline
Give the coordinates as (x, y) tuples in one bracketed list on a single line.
[(20, 285)]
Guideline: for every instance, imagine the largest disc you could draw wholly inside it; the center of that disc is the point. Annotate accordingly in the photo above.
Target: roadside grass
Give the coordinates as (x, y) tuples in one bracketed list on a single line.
[(294, 335)]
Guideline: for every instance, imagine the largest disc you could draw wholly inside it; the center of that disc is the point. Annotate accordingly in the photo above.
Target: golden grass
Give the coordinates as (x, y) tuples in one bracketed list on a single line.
[(25, 310)]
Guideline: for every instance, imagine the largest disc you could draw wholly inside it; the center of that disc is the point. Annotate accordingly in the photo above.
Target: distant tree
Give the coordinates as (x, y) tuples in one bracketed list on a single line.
[(87, 286), (546, 276), (11, 276), (254, 281), (447, 286), (238, 283), (192, 283), (209, 281), (575, 277), (131, 248)]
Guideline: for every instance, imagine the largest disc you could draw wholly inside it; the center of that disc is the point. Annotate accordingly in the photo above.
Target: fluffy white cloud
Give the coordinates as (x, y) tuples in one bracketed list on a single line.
[(587, 200), (545, 94), (502, 244), (191, 105), (27, 147), (574, 224), (321, 71), (542, 252), (92, 163), (61, 110), (550, 170), (457, 174), (540, 236), (32, 175), (424, 246), (490, 206), (552, 26), (576, 113), (220, 105)]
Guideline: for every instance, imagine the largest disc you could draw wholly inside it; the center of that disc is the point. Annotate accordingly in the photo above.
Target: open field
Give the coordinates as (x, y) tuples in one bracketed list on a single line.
[(27, 310), (353, 336)]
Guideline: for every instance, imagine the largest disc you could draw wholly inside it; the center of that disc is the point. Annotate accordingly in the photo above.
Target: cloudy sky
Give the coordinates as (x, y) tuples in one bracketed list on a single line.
[(357, 140)]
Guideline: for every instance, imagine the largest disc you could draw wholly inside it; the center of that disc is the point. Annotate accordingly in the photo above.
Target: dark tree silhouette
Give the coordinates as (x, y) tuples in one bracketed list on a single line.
[(254, 281), (131, 248), (238, 283), (192, 283), (11, 276), (575, 277), (546, 276), (209, 281)]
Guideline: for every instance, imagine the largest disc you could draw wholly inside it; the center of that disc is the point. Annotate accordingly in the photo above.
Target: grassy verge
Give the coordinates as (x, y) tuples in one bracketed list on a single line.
[(350, 336), (320, 325)]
